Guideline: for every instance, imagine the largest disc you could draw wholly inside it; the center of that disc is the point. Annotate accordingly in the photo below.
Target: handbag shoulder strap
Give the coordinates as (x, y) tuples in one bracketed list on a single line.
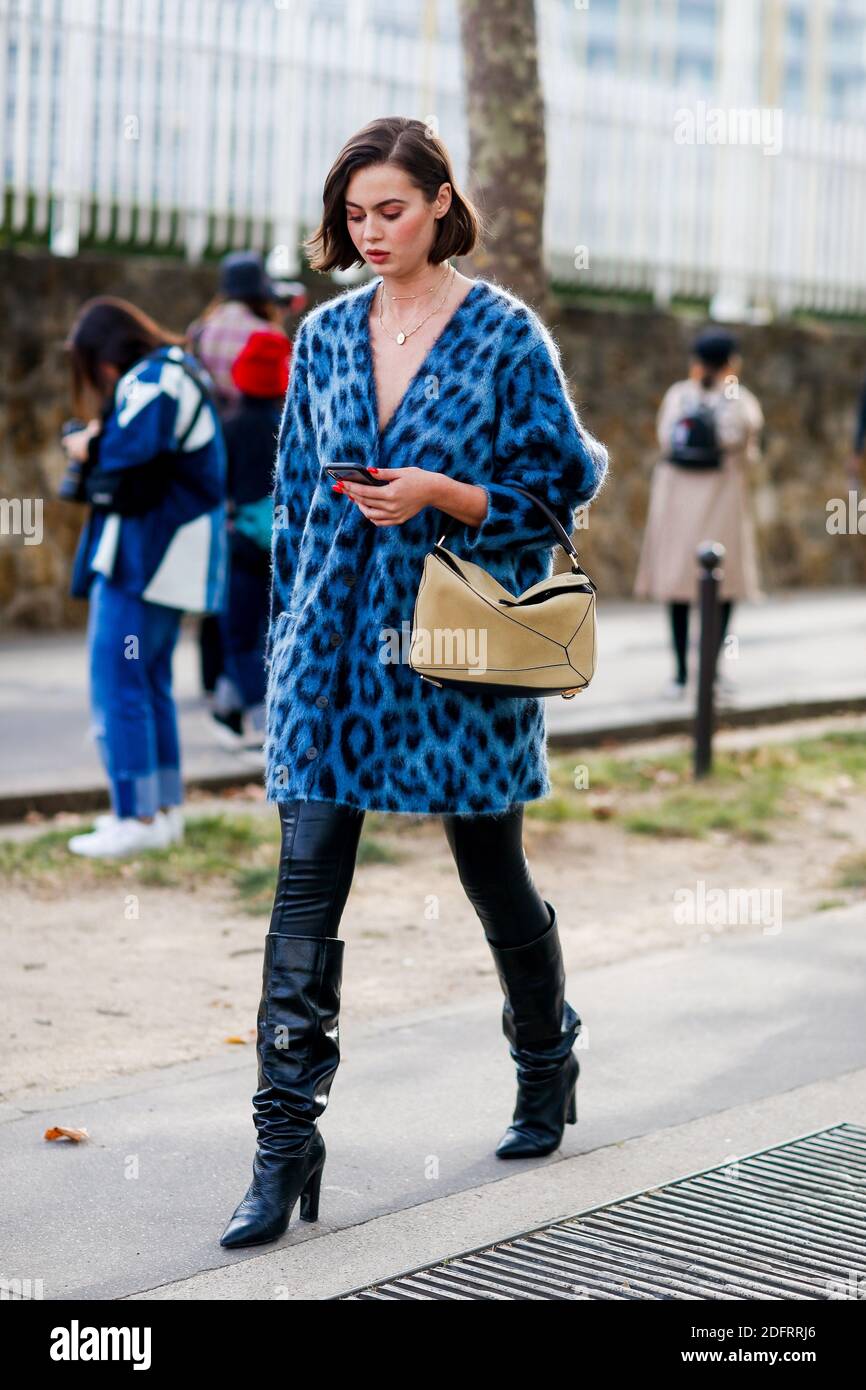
[(559, 530)]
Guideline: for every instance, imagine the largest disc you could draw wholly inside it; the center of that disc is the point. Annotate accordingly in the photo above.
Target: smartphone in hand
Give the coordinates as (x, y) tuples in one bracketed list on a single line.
[(353, 473)]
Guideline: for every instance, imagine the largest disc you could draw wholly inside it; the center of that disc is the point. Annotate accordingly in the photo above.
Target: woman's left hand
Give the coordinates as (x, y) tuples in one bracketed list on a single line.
[(408, 491), (77, 443)]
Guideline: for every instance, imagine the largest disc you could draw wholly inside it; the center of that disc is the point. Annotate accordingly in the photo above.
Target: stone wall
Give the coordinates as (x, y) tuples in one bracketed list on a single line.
[(40, 296), (807, 378)]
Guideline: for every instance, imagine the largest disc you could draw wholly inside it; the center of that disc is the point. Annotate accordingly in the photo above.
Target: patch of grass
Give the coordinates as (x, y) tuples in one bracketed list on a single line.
[(153, 872), (230, 846), (851, 871), (255, 889), (692, 817), (811, 316), (557, 808), (372, 851), (20, 855), (748, 790), (748, 793), (638, 774)]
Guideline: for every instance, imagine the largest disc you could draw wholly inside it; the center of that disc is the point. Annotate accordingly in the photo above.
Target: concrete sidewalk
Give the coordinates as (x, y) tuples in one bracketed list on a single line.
[(398, 1243), (798, 654), (693, 1056)]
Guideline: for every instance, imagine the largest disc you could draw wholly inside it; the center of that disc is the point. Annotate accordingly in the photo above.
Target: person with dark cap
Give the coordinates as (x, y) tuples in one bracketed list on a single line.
[(709, 429), (260, 374), (247, 301)]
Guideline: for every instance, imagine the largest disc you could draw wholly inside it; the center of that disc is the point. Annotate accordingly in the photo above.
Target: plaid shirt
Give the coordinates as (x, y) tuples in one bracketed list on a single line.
[(218, 340)]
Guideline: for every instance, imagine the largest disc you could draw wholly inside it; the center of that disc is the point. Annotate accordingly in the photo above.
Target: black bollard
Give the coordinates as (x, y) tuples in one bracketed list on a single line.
[(710, 557)]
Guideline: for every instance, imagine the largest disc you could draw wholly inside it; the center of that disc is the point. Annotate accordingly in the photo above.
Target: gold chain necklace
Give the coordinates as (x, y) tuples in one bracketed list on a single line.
[(394, 297), (402, 336)]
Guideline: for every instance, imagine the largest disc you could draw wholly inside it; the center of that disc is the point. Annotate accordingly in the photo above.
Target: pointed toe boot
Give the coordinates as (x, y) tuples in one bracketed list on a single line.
[(541, 1028), (298, 1053), (263, 1214)]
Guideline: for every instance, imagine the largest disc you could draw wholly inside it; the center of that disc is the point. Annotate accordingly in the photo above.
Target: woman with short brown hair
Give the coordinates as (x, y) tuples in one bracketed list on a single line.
[(451, 390)]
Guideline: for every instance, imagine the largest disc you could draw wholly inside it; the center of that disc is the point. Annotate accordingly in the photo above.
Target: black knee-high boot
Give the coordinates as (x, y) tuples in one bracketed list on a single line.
[(541, 1027), (298, 1053)]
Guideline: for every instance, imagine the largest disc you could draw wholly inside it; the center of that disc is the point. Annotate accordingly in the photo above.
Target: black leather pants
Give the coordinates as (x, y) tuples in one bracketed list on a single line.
[(317, 864)]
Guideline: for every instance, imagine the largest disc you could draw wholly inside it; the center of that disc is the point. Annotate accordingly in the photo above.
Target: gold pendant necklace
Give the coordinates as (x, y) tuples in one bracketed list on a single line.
[(402, 335)]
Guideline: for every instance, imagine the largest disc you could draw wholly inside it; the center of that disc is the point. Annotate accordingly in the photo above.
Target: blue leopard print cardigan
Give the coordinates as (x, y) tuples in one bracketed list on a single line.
[(488, 405)]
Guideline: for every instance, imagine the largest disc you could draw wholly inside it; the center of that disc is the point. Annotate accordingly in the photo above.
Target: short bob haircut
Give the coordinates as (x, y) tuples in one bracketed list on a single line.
[(411, 146)]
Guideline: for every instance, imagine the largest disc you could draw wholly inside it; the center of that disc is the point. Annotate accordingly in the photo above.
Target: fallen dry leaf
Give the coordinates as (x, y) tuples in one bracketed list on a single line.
[(61, 1132)]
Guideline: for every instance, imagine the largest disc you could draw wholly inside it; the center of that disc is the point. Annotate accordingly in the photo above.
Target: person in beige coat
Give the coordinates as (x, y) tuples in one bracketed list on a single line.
[(693, 501)]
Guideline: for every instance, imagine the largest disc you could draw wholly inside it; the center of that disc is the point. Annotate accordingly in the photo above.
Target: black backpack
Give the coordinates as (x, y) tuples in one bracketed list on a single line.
[(694, 441)]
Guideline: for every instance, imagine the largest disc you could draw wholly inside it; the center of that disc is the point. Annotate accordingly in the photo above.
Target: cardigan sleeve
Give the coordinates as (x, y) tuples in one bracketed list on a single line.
[(294, 478), (540, 443)]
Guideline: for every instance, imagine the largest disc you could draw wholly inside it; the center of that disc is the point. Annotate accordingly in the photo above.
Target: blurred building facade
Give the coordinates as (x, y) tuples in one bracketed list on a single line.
[(812, 53)]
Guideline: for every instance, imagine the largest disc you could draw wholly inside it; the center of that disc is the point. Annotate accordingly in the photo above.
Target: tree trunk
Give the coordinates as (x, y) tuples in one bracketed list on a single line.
[(507, 159)]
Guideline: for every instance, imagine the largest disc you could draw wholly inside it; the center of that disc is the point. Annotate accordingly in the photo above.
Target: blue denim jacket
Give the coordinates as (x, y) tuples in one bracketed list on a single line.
[(175, 553)]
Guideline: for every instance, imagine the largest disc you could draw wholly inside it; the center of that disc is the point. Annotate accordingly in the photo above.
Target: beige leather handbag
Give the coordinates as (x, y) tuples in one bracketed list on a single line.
[(470, 633)]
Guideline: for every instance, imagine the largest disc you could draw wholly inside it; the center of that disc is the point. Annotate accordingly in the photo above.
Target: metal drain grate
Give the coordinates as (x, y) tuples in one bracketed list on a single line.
[(785, 1223)]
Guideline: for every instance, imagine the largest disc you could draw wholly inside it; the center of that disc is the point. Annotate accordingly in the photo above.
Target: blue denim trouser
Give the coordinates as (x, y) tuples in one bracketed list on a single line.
[(131, 644), (244, 624)]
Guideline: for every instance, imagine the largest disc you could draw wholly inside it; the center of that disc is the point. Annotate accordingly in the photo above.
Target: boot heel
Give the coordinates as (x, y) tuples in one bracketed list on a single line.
[(310, 1195), (571, 1112)]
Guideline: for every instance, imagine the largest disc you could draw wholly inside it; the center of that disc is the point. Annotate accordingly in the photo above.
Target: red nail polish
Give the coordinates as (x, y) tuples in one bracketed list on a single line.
[(374, 470)]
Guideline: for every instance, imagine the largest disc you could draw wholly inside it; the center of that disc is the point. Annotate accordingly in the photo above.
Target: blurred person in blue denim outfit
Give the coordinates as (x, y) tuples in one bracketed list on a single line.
[(152, 548)]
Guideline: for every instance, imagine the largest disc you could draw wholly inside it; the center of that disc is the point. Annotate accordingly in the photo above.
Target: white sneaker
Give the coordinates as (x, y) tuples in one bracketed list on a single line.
[(122, 837), (174, 817), (174, 820), (725, 690), (674, 691), (228, 729)]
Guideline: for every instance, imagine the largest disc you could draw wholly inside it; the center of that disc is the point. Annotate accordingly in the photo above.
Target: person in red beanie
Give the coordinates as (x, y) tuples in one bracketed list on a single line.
[(261, 374)]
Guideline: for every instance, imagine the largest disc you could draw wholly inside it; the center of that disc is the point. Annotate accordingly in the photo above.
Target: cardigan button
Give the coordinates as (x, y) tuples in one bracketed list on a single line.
[(336, 639), (322, 701), (311, 753)]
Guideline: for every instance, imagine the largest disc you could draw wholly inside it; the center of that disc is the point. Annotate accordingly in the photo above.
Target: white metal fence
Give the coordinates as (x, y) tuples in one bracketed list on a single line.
[(200, 125)]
